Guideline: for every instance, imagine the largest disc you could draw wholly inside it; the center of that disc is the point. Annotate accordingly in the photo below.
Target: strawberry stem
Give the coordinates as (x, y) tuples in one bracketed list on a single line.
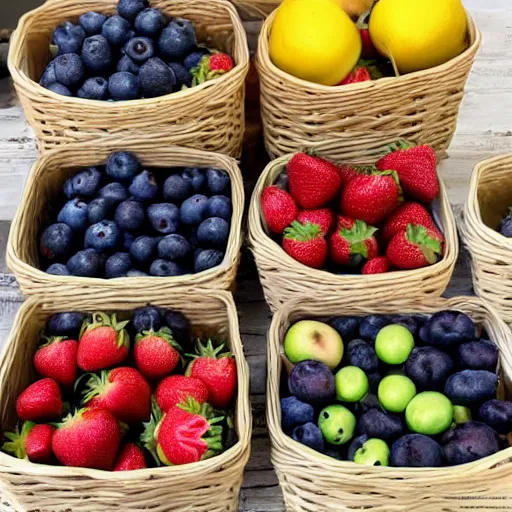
[(48, 340), (302, 232), (209, 350), (357, 235), (96, 385), (100, 319), (430, 247), (16, 444)]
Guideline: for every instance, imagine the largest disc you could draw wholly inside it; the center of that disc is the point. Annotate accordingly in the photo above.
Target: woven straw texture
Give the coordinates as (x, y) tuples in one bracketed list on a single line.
[(44, 184), (490, 195), (312, 482), (283, 278), (208, 117), (208, 486), (255, 9), (358, 120)]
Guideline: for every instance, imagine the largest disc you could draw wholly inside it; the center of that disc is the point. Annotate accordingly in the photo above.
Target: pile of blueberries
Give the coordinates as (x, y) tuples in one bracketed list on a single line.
[(123, 221), (137, 53)]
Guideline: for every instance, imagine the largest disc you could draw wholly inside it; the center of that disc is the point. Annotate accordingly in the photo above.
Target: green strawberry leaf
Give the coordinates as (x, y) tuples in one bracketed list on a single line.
[(357, 235), (302, 232), (429, 246)]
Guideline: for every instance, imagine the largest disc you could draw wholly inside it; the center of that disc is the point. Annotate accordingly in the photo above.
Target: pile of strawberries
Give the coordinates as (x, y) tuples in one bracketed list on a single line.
[(350, 219), (99, 405)]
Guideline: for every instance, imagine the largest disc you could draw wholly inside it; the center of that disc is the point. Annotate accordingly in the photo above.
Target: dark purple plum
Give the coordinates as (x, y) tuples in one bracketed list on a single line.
[(312, 382), (477, 355), (497, 414), (416, 451), (429, 367), (295, 413), (449, 329), (471, 387)]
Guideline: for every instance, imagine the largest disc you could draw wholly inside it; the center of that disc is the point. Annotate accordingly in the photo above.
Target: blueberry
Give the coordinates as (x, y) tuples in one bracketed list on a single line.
[(94, 89), (197, 178), (213, 233), (130, 8), (117, 265), (408, 321), (115, 30), (219, 206), (312, 382), (143, 249), (356, 443), (193, 209), (376, 423), (429, 368), (295, 413), (207, 259), (497, 414), (193, 59), (67, 324), (156, 78), (74, 214), (150, 22), (470, 387), (309, 435), (127, 64), (98, 209), (136, 273), (69, 69), (282, 181), (183, 76), (92, 22), (114, 192), (347, 326), (130, 215), (177, 39), (123, 166), (360, 353), (85, 263), (179, 325), (477, 355), (218, 181), (128, 239), (124, 86), (174, 247), (144, 187), (176, 189), (371, 325), (69, 38), (48, 77), (146, 319), (58, 269), (97, 55), (334, 452), (164, 217), (505, 227), (86, 183), (139, 49), (59, 89), (416, 451), (166, 268), (105, 236), (450, 328), (56, 241)]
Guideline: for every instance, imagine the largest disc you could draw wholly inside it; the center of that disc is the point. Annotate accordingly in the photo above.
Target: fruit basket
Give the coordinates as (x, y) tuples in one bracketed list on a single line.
[(256, 9), (283, 278), (209, 485), (46, 179), (359, 119), (313, 481), (208, 117), (490, 195)]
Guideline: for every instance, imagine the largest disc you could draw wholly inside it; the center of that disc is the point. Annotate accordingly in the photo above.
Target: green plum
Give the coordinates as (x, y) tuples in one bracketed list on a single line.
[(461, 414), (351, 384), (394, 343), (374, 452), (429, 413), (337, 424), (395, 392)]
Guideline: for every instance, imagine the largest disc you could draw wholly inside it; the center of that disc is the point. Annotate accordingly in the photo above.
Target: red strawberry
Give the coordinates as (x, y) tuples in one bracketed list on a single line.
[(176, 389), (40, 402), (217, 370), (123, 392), (378, 265), (359, 74), (352, 242), (156, 353), (220, 62), (211, 66), (279, 209), (130, 457), (56, 359), (369, 50), (88, 439), (323, 217), (103, 343), (371, 198), (306, 244), (34, 443), (415, 247), (347, 172), (416, 167), (313, 181), (407, 213)]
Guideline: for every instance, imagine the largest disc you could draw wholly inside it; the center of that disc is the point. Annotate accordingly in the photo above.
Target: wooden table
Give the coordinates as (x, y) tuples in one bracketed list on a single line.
[(485, 129)]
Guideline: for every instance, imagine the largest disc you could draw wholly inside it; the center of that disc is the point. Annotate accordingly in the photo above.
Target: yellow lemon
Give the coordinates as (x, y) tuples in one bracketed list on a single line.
[(419, 34), (314, 40)]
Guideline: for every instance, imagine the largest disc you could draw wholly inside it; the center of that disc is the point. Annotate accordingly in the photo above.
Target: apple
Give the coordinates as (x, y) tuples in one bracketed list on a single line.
[(312, 340), (395, 392), (429, 413), (394, 343), (374, 452), (351, 384), (337, 424)]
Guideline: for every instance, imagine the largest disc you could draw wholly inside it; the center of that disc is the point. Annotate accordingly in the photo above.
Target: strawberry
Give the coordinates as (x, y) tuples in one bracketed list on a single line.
[(103, 343), (40, 402), (56, 359), (323, 218), (313, 181), (372, 197), (378, 265), (220, 62), (306, 244), (352, 242), (177, 389), (123, 392), (34, 443), (359, 74), (279, 209), (347, 172), (210, 67), (415, 247), (416, 167), (407, 213), (88, 439), (130, 457), (156, 353), (217, 370), (369, 50)]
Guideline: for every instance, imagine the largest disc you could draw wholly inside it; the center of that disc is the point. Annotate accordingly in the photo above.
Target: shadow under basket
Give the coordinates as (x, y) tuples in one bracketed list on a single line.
[(44, 184), (490, 196), (212, 485), (313, 482), (209, 116)]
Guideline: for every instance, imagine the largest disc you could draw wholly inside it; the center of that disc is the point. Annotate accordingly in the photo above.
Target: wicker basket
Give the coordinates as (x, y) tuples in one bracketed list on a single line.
[(255, 9), (490, 195), (312, 482), (359, 119), (208, 117), (208, 486), (283, 278), (45, 182)]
